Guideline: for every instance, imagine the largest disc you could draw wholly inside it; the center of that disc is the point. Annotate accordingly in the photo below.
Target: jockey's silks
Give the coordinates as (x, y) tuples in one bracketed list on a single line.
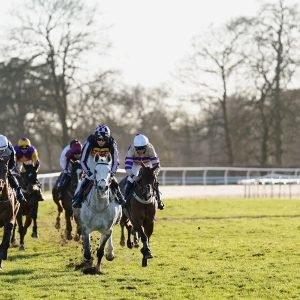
[(102, 151)]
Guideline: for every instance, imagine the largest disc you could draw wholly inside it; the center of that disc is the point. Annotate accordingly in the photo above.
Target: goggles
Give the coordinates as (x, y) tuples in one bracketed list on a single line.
[(140, 148), (101, 139)]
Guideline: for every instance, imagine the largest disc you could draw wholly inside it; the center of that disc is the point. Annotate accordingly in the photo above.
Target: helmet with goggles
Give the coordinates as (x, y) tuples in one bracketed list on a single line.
[(140, 140), (102, 130), (3, 142), (24, 142)]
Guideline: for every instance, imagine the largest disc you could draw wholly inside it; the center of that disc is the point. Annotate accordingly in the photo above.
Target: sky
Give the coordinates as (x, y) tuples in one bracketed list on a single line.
[(150, 37)]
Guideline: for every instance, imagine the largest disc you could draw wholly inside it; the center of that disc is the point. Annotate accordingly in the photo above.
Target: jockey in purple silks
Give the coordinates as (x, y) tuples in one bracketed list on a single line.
[(70, 153), (7, 153), (141, 151), (103, 143), (27, 154)]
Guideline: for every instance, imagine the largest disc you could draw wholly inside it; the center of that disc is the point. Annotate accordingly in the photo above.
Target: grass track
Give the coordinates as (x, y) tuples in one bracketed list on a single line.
[(204, 249)]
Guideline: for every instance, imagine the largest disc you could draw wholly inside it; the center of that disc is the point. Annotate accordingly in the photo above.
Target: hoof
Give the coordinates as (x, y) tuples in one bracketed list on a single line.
[(21, 248), (69, 236), (14, 243), (57, 226), (130, 245), (77, 238), (122, 243), (109, 257), (35, 235)]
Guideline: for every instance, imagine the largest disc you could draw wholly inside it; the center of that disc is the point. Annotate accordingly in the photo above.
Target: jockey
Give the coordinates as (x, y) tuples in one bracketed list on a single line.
[(141, 151), (103, 143), (27, 154), (70, 153), (7, 152)]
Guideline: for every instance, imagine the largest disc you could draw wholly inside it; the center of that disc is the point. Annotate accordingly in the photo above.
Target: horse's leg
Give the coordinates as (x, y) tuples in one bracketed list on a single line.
[(110, 255), (135, 238), (100, 251), (145, 249), (148, 228), (34, 219), (122, 239), (68, 217), (5, 242), (13, 240), (27, 223), (59, 212), (129, 230), (87, 255), (78, 228)]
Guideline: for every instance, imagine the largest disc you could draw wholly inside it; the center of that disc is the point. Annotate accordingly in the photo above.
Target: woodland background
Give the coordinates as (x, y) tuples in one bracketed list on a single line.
[(234, 100)]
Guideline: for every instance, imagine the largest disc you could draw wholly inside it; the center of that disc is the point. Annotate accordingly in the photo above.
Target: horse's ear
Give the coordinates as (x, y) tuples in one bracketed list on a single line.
[(143, 165), (96, 158)]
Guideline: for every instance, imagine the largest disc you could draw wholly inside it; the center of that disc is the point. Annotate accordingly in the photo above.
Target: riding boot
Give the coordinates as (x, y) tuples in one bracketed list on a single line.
[(78, 197), (120, 196), (128, 190), (20, 196), (160, 204), (15, 185)]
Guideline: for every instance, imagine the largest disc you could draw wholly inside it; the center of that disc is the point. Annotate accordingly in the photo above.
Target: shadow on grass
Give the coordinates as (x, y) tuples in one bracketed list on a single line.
[(14, 273), (14, 257)]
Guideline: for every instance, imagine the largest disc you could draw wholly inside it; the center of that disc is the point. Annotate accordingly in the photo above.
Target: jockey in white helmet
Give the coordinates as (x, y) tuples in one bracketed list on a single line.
[(141, 151), (8, 154)]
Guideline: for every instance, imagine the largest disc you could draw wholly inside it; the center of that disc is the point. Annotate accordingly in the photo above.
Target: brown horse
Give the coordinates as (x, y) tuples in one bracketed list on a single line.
[(9, 207), (32, 192), (142, 208), (65, 204)]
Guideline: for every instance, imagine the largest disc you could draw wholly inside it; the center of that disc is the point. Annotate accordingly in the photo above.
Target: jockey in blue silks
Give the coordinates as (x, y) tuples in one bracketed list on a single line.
[(102, 143), (141, 151), (7, 153)]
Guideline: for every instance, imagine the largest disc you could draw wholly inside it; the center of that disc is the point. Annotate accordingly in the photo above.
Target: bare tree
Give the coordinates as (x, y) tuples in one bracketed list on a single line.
[(273, 60), (213, 63), (60, 33)]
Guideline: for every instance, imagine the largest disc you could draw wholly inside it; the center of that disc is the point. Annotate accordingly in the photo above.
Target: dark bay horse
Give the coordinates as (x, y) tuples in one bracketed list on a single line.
[(142, 208), (9, 207), (32, 192), (65, 204)]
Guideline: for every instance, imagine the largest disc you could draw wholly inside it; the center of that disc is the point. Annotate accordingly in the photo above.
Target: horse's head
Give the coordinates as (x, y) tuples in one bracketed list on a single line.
[(30, 174), (147, 180), (102, 172), (76, 170)]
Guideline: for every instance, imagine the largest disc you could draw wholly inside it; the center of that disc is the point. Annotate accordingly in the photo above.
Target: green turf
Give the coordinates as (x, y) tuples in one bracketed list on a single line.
[(203, 249)]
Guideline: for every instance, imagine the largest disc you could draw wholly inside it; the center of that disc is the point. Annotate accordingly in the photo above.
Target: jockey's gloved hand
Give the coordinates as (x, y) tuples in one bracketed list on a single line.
[(89, 174), (135, 178)]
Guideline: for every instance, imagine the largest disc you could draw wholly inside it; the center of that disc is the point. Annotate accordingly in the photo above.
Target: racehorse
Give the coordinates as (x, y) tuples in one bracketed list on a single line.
[(65, 203), (32, 192), (142, 208), (98, 213), (126, 223), (9, 207)]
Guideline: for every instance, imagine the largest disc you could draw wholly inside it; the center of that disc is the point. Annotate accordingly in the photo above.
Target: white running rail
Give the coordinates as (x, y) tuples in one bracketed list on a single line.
[(196, 175)]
